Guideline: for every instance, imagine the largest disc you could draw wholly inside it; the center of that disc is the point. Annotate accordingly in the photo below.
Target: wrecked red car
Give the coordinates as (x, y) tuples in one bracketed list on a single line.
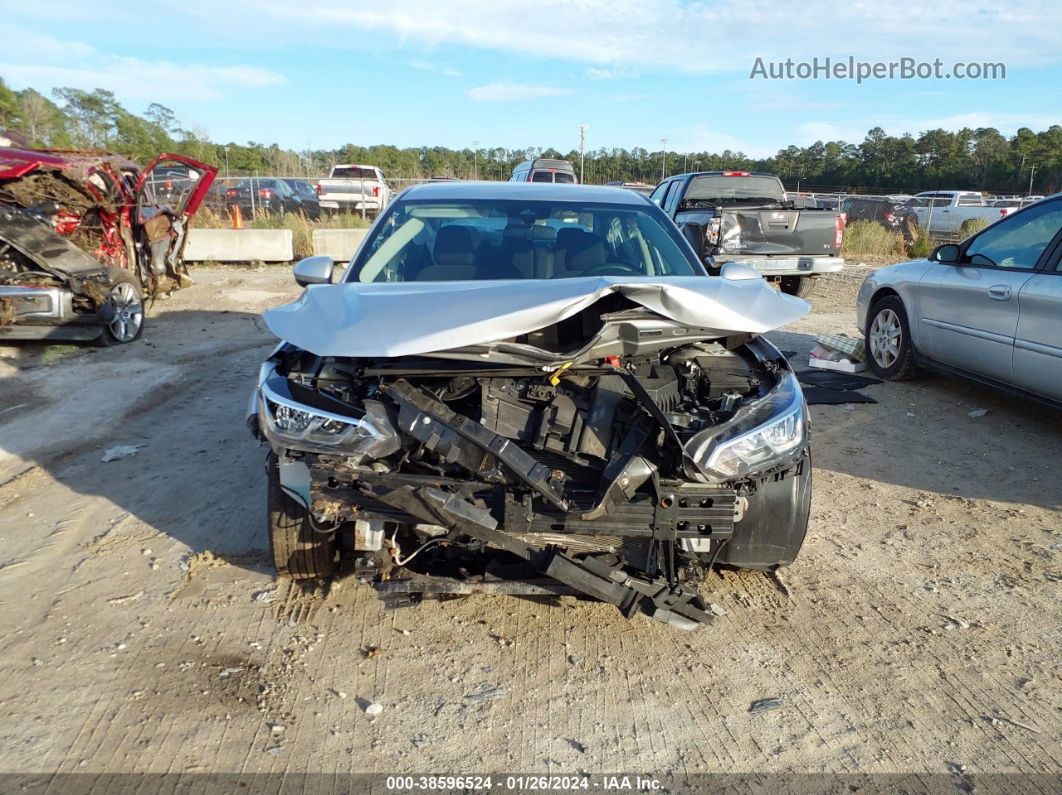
[(87, 237)]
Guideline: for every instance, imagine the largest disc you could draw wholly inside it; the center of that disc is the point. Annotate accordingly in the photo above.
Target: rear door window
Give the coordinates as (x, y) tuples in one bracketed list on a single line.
[(673, 197), (353, 172), (659, 194), (541, 176)]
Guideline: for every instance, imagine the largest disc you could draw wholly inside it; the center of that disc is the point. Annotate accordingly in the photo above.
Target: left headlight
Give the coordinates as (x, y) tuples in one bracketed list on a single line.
[(288, 423), (770, 431)]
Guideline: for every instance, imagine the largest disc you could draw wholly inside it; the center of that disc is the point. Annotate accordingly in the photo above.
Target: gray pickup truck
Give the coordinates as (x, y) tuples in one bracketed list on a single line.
[(741, 216)]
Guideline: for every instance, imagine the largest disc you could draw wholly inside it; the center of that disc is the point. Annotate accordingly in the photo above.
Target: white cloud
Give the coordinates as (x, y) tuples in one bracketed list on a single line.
[(702, 138), (682, 36), (428, 66), (515, 92), (609, 72), (44, 62)]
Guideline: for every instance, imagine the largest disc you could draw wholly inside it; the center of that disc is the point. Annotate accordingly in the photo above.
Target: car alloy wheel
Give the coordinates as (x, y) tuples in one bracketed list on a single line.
[(886, 338), (128, 313)]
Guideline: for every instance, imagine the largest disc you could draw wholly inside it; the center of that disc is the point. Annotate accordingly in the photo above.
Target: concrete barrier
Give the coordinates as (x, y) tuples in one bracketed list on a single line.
[(339, 244), (239, 245)]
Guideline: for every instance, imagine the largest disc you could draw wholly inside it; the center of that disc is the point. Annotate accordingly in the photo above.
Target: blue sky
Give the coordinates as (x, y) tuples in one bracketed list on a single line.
[(321, 73)]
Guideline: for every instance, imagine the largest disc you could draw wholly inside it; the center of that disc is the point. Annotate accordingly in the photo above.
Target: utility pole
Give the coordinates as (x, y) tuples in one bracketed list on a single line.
[(663, 158), (582, 148), (1032, 170), (475, 160), (685, 159)]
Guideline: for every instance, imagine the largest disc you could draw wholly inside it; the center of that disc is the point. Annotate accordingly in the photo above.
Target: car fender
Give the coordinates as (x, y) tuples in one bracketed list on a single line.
[(902, 279)]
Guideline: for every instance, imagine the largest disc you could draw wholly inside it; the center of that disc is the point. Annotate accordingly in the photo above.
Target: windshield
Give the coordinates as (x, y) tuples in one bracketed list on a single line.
[(496, 239), (727, 190)]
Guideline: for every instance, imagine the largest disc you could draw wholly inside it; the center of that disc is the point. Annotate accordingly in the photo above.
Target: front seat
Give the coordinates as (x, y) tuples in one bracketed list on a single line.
[(577, 251), (454, 254)]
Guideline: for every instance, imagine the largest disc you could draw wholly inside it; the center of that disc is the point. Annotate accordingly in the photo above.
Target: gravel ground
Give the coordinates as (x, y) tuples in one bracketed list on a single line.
[(917, 633)]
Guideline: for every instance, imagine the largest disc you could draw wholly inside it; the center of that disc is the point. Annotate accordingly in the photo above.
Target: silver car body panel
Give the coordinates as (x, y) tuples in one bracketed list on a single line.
[(1038, 340), (411, 318), (999, 324), (968, 318)]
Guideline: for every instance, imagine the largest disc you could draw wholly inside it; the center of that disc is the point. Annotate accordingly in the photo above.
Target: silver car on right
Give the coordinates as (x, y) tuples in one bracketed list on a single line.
[(988, 308)]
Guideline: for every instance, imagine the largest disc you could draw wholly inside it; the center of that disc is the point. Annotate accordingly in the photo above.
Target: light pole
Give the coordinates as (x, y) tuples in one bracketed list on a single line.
[(475, 160), (227, 172), (663, 158), (582, 142)]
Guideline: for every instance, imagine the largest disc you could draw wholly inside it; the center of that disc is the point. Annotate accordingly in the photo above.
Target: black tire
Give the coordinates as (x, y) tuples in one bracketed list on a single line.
[(890, 313), (800, 286), (124, 289), (299, 552)]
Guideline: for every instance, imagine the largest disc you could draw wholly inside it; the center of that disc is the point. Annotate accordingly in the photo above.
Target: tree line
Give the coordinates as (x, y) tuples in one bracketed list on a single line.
[(975, 159)]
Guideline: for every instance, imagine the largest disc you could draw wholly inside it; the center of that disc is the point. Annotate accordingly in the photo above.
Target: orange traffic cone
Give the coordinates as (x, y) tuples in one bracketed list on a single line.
[(237, 217)]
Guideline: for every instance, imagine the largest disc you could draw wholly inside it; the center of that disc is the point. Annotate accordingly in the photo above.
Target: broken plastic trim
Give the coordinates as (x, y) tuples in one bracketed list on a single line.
[(672, 604), (438, 427)]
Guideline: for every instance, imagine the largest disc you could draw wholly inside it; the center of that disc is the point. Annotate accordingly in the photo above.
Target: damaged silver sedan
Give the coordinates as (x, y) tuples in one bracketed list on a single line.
[(532, 390)]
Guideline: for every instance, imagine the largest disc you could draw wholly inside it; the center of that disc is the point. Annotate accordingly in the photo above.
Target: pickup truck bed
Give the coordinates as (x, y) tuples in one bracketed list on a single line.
[(737, 216), (352, 187), (943, 212)]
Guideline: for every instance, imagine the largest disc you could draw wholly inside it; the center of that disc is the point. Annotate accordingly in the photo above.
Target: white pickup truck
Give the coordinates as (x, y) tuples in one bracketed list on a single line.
[(943, 211), (353, 187)]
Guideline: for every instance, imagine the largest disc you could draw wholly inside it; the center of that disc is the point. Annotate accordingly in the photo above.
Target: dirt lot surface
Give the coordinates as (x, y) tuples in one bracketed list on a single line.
[(918, 632)]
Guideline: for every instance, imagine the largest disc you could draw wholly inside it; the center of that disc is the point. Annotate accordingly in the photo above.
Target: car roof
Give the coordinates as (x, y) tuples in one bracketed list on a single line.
[(721, 173), (546, 162), (532, 191)]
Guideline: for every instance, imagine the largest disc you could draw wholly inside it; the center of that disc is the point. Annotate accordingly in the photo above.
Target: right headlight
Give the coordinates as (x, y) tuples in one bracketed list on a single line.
[(764, 434), (287, 423), (758, 448)]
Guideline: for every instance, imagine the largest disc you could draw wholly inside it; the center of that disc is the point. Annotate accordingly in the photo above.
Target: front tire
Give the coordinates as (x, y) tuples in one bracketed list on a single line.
[(890, 351), (299, 552), (125, 304), (800, 286)]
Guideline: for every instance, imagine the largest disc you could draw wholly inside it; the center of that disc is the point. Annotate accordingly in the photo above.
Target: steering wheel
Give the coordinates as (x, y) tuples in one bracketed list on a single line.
[(613, 269)]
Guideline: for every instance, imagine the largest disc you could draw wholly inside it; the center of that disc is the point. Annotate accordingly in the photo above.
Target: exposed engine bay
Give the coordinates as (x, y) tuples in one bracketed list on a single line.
[(617, 473)]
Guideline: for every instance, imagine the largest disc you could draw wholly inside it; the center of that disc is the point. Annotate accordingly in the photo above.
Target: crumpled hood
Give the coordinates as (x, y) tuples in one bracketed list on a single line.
[(391, 319)]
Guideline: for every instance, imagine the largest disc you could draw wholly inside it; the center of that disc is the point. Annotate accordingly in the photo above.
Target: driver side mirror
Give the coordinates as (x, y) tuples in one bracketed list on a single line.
[(947, 254), (694, 233), (313, 270)]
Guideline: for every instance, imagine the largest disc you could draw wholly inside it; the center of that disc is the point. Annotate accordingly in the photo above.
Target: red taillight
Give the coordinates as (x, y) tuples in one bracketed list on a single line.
[(232, 192), (375, 190), (737, 173), (838, 231), (1004, 212), (169, 184), (890, 217), (318, 188), (265, 193)]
